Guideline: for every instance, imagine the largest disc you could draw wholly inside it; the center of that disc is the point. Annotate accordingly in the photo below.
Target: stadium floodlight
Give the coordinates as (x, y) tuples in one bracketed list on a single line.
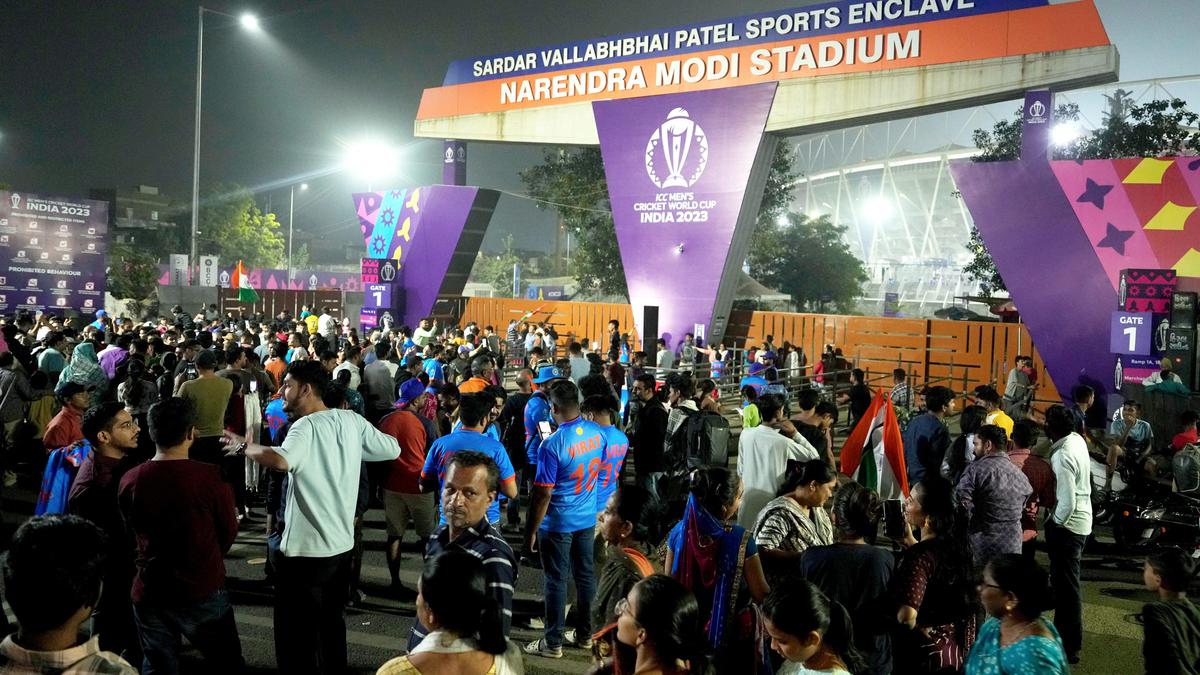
[(249, 22), (878, 208), (371, 159)]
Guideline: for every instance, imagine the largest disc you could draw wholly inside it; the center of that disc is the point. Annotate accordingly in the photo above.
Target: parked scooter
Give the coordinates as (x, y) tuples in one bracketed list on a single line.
[(1144, 513)]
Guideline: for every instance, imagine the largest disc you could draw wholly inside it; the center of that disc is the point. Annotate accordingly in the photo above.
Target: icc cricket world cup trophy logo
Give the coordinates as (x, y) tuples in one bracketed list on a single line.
[(673, 144)]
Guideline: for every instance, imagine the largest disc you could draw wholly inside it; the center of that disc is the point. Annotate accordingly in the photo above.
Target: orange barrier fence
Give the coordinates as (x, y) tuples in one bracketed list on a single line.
[(964, 353)]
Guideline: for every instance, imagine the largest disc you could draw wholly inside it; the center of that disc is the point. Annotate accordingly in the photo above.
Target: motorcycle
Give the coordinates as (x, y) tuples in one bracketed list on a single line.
[(1144, 513)]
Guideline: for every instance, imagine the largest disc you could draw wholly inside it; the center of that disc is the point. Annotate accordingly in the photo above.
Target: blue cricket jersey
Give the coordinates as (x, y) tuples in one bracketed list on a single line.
[(536, 410), (438, 458), (569, 463), (616, 446)]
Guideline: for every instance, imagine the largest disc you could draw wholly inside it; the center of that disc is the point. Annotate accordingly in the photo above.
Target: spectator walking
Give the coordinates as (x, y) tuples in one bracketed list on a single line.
[(1041, 480), (647, 432), (994, 492), (1069, 524), (472, 483), (323, 455), (763, 454), (562, 517), (926, 437), (182, 518)]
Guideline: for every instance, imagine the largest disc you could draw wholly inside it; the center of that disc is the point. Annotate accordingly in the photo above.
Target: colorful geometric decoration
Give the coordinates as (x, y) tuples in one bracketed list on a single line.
[(1061, 232)]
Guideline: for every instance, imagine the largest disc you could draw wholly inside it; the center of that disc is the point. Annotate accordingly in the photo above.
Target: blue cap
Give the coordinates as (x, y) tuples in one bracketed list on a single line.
[(411, 389), (547, 373)]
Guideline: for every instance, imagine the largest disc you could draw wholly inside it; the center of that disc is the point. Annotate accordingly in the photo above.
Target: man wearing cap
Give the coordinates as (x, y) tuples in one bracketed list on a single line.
[(98, 324), (402, 495), (67, 426), (754, 379), (537, 410)]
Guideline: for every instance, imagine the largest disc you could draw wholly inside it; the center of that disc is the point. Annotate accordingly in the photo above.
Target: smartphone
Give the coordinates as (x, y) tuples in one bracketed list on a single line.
[(893, 518), (544, 429)]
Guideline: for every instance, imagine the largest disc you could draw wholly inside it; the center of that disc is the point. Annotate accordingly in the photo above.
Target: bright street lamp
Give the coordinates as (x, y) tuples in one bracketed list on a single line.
[(250, 23), (371, 160)]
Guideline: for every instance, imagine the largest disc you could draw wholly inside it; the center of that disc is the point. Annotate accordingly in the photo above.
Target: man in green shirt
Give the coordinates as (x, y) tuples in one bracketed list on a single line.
[(210, 394)]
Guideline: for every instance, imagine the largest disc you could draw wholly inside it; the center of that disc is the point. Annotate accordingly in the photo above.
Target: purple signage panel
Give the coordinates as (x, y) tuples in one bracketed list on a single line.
[(1037, 118), (378, 296), (431, 234), (1130, 333), (454, 163), (1068, 304), (52, 252), (677, 167)]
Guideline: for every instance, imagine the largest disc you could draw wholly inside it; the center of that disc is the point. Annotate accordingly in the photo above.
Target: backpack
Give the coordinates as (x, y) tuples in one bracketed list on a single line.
[(702, 439), (1185, 465)]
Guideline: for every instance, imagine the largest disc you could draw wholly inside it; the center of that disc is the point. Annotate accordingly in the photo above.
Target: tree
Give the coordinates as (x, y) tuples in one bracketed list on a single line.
[(1158, 128), (300, 257), (497, 270), (233, 228), (808, 259), (133, 275), (572, 182)]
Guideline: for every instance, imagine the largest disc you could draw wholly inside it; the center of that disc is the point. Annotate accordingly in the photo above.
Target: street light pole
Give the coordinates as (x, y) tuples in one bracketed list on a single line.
[(291, 224), (196, 146)]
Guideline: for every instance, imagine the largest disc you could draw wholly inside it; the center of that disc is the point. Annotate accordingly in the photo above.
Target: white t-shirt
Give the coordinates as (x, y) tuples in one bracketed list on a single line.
[(763, 453), (355, 377), (328, 326), (325, 452), (793, 668)]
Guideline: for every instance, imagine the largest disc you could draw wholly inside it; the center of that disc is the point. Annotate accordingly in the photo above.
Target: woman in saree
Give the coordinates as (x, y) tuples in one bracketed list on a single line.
[(717, 560), (84, 368), (1017, 638)]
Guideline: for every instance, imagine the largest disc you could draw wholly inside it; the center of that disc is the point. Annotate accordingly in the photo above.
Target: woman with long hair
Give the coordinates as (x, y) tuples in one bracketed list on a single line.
[(812, 633), (466, 624), (1015, 592), (717, 560), (660, 631), (796, 519), (855, 573), (933, 587), (629, 526)]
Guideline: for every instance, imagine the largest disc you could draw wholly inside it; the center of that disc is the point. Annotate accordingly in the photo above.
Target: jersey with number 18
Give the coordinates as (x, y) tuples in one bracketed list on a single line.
[(569, 462)]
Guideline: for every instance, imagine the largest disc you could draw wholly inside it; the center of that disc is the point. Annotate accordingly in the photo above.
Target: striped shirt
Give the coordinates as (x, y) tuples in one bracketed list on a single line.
[(83, 659), (499, 567)]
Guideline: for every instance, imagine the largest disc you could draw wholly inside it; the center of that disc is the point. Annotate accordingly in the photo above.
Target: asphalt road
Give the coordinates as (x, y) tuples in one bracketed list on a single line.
[(377, 630)]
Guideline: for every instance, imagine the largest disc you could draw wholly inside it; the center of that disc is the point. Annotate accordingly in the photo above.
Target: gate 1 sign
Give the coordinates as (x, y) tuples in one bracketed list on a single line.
[(1131, 333), (378, 296), (52, 252)]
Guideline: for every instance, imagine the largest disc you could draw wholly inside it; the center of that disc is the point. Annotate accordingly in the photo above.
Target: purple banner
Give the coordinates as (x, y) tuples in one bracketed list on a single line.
[(432, 233), (677, 168), (1036, 122), (52, 252)]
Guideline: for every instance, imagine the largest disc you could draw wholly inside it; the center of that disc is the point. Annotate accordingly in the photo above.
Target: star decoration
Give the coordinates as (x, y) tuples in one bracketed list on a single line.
[(1115, 239), (1095, 193)]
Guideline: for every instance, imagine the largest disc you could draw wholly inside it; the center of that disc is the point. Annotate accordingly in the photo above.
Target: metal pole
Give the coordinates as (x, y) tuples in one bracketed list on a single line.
[(196, 147), (291, 222)]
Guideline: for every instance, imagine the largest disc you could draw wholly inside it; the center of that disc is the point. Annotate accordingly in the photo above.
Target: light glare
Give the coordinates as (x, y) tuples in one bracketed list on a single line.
[(250, 22)]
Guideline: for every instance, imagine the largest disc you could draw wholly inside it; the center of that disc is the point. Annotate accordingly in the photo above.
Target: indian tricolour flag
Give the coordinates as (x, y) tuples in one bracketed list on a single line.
[(874, 453), (241, 281)]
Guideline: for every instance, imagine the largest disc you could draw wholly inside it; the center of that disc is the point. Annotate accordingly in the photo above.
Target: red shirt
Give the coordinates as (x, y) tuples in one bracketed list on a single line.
[(64, 429), (1184, 438), (182, 516), (405, 474), (1042, 480)]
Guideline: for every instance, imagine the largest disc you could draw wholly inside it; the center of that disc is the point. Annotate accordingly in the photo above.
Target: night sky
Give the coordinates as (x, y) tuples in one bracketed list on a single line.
[(102, 93)]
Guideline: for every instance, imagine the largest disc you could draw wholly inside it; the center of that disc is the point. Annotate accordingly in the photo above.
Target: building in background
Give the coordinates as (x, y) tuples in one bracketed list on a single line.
[(140, 216)]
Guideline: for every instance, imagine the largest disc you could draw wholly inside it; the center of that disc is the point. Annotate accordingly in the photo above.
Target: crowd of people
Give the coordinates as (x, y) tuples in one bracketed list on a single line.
[(607, 474)]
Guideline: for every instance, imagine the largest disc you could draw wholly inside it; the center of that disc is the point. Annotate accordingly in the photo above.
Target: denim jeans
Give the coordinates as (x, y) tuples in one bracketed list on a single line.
[(566, 555), (207, 624), (1066, 553)]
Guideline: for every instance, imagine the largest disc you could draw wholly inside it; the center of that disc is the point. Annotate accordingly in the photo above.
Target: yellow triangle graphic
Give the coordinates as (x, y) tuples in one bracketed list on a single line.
[(1148, 172), (1170, 217), (1189, 264)]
